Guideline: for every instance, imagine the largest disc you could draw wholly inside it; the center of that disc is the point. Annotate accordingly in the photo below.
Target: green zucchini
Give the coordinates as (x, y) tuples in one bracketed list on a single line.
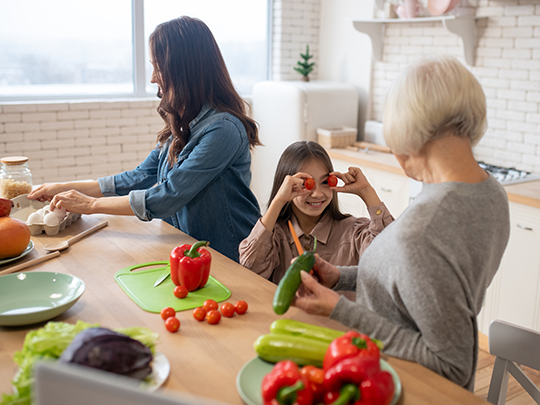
[(303, 351), (306, 330), (296, 328), (290, 282)]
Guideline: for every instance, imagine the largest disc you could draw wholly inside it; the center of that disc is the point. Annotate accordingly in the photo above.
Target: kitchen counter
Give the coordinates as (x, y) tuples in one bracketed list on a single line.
[(522, 193), (205, 359)]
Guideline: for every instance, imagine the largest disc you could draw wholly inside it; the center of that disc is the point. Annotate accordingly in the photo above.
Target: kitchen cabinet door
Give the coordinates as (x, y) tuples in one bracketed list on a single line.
[(514, 294), (392, 189)]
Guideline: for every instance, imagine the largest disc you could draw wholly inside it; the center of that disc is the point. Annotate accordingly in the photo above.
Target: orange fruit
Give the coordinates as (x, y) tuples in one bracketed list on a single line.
[(14, 237)]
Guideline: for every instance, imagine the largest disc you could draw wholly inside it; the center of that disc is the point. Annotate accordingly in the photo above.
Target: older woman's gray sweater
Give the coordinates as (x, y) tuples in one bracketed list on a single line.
[(421, 283)]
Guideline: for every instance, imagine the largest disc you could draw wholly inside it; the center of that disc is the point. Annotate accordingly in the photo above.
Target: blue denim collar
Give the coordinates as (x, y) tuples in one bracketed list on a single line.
[(205, 108)]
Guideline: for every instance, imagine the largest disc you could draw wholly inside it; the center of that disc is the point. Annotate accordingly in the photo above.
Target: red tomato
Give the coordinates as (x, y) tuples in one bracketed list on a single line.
[(227, 310), (332, 180), (167, 313), (241, 307), (210, 305), (199, 314), (172, 324), (180, 291), (213, 317), (309, 184)]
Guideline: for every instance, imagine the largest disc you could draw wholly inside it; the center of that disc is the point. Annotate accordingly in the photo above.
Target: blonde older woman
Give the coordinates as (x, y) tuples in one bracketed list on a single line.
[(420, 285)]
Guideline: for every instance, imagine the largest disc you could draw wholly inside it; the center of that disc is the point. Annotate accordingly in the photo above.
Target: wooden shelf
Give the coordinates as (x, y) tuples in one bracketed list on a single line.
[(465, 27)]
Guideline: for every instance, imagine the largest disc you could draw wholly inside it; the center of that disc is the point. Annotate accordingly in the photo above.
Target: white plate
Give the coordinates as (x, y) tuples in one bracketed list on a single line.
[(160, 372), (28, 249)]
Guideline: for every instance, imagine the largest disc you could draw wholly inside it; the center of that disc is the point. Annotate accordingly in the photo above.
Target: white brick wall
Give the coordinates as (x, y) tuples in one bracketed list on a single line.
[(295, 25), (79, 140), (507, 65)]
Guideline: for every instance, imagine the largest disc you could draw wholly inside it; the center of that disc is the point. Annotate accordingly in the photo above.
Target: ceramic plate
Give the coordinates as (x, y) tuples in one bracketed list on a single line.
[(32, 297), (438, 7), (28, 249), (249, 379), (160, 371)]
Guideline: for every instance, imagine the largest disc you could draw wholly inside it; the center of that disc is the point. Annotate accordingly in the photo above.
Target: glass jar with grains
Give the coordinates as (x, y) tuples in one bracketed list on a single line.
[(15, 177)]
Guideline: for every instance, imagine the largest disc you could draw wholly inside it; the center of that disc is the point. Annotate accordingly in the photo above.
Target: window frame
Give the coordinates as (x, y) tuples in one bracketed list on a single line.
[(139, 64)]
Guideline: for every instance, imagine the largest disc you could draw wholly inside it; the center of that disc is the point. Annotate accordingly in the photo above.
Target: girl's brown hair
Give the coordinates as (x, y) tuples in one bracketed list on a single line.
[(291, 161), (192, 71)]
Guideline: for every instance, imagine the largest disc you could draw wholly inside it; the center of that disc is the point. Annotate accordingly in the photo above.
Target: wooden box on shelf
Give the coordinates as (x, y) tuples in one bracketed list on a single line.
[(336, 137)]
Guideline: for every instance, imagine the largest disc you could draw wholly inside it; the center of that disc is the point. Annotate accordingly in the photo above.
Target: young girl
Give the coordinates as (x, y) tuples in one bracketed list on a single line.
[(341, 238)]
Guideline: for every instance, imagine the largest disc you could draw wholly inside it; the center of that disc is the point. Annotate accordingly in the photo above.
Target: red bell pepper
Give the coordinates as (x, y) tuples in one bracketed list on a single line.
[(352, 344), (315, 378), (358, 381), (284, 385), (190, 265)]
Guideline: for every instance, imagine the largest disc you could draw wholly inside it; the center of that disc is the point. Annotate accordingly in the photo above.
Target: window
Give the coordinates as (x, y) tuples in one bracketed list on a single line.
[(87, 49)]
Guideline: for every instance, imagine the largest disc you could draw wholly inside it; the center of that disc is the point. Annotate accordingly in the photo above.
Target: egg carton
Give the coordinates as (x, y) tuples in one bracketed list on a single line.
[(23, 207)]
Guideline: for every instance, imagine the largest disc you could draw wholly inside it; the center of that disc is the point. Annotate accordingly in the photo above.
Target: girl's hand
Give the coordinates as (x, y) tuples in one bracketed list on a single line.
[(46, 191), (355, 181), (314, 298), (73, 201), (292, 187)]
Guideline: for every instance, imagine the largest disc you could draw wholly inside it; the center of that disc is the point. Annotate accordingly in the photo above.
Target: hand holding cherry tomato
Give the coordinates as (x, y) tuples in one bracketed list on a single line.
[(172, 324), (332, 180), (309, 184)]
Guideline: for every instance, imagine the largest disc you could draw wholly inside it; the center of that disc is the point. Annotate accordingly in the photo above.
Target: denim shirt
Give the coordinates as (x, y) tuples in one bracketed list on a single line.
[(206, 193)]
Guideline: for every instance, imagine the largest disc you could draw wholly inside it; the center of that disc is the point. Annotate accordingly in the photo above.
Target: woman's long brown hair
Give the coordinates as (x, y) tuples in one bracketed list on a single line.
[(291, 161), (192, 71)]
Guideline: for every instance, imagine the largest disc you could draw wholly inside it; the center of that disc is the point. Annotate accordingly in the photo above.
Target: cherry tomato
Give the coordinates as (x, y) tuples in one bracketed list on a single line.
[(199, 314), (227, 310), (172, 324), (167, 313), (309, 184), (332, 180), (210, 305), (241, 307), (213, 317), (180, 291)]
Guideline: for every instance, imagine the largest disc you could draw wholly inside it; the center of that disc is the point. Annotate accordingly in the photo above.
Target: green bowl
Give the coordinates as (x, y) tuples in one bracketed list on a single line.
[(32, 297)]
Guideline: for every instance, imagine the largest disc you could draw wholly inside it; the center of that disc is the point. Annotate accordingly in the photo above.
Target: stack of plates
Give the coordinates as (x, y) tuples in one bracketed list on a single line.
[(440, 7)]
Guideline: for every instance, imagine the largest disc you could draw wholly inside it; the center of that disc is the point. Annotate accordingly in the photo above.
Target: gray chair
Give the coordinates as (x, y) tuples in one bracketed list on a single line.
[(512, 344)]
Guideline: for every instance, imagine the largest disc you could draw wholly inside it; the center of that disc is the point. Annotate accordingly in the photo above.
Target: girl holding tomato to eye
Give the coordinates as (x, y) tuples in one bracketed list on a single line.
[(305, 192)]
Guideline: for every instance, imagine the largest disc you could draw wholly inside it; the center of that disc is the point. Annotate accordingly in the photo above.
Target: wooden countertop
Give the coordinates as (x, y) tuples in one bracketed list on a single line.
[(201, 355), (522, 193)]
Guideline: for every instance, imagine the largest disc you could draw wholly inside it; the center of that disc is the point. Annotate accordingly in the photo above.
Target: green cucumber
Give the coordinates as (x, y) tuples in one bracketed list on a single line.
[(303, 351), (290, 282)]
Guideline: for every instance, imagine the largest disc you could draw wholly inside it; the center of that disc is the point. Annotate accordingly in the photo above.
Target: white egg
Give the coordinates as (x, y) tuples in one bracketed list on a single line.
[(34, 218), (43, 211), (60, 213), (51, 220)]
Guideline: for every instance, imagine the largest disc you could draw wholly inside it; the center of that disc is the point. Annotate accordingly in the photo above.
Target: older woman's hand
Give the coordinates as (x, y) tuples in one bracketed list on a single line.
[(327, 274), (315, 298)]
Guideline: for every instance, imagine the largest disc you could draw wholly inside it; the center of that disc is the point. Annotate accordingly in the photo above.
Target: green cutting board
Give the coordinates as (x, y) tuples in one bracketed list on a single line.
[(139, 286)]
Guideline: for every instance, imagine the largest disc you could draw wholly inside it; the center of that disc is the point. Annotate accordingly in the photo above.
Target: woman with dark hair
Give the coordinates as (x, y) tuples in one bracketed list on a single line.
[(197, 178), (313, 212)]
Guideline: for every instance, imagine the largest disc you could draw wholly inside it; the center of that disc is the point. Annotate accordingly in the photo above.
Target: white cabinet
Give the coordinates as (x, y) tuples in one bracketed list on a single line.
[(514, 294), (392, 189)]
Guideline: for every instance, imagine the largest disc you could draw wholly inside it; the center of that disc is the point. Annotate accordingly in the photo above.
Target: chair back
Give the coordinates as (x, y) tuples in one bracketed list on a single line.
[(512, 344)]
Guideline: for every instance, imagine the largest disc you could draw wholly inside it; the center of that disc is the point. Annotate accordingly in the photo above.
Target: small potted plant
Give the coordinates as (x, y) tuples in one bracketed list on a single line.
[(305, 67)]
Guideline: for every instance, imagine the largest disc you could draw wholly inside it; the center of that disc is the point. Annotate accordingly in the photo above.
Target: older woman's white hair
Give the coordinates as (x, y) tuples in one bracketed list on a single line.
[(433, 98)]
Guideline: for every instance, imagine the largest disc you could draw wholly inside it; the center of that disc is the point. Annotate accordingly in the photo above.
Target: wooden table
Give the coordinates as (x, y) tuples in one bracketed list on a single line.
[(205, 359)]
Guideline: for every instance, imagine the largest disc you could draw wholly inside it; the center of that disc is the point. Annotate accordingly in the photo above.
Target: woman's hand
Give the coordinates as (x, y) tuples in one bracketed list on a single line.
[(46, 191), (74, 201), (315, 298), (357, 183), (327, 274)]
